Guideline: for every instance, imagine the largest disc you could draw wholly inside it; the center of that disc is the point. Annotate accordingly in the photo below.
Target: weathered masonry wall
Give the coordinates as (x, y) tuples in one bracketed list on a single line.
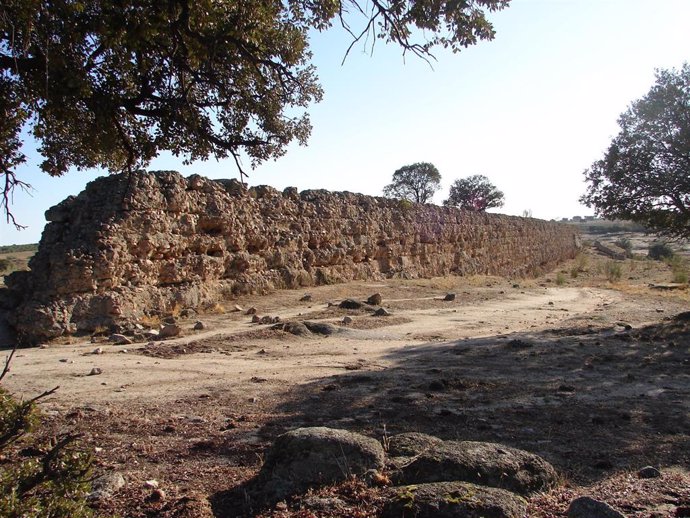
[(130, 246)]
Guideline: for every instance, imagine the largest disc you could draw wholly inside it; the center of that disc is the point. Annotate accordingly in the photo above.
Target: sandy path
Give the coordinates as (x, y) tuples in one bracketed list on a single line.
[(129, 376)]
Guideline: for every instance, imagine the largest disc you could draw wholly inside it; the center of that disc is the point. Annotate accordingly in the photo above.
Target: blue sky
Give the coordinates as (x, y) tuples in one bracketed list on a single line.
[(531, 109)]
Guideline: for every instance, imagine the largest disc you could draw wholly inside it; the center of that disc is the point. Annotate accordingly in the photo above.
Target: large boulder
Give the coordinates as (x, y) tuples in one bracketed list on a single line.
[(483, 463), (452, 500), (308, 457), (410, 444)]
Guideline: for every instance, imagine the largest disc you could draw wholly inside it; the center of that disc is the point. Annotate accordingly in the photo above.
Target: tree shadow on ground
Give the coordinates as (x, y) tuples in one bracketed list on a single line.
[(592, 401)]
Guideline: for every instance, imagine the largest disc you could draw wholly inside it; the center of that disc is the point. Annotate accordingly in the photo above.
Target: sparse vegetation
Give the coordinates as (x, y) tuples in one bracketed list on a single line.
[(613, 271), (560, 279), (625, 244), (660, 251), (580, 265), (39, 478), (12, 249)]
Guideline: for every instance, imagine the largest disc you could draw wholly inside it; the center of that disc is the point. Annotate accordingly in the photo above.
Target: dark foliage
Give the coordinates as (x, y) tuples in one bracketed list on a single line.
[(645, 174), (416, 182), (112, 83), (475, 193)]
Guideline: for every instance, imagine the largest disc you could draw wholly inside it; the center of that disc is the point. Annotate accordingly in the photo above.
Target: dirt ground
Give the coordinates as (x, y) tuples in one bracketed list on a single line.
[(591, 374)]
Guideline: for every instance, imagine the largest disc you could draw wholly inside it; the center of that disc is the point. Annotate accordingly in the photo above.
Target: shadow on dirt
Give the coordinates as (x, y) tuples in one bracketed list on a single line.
[(589, 399)]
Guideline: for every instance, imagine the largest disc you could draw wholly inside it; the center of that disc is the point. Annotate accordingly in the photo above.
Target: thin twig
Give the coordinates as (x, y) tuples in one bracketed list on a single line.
[(6, 369)]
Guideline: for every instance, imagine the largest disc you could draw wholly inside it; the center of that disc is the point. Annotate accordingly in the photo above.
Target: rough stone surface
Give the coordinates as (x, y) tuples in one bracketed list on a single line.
[(307, 457), (119, 339), (295, 328), (586, 507), (321, 328), (484, 463), (169, 331), (452, 500), (375, 299), (350, 304), (131, 246), (649, 472), (106, 485), (410, 444)]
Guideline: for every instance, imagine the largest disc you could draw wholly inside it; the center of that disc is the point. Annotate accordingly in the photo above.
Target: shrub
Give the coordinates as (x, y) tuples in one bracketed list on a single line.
[(579, 266), (613, 271), (625, 244), (39, 478), (680, 276), (659, 251), (678, 269), (560, 279)]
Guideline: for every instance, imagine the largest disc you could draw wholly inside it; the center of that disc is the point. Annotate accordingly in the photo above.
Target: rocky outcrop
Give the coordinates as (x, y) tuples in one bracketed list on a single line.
[(308, 457), (484, 463), (452, 500), (147, 243)]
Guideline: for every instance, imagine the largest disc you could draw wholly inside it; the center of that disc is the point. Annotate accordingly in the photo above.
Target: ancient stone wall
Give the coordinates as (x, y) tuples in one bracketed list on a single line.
[(130, 246)]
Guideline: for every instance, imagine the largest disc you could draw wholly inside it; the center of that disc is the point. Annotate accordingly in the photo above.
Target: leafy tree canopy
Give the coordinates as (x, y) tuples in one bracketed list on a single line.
[(645, 173), (111, 83), (475, 193), (416, 182)]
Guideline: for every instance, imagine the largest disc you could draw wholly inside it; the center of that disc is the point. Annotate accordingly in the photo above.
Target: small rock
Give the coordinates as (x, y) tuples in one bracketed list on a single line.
[(306, 298), (381, 312), (63, 360), (347, 320), (152, 484), (170, 330), (95, 371), (170, 320), (266, 320), (251, 311), (157, 495), (375, 299), (566, 388), (276, 320), (350, 304), (586, 507), (98, 350), (450, 297), (106, 485), (649, 472), (437, 386), (295, 328), (119, 339), (321, 328), (237, 308), (256, 319), (199, 325)]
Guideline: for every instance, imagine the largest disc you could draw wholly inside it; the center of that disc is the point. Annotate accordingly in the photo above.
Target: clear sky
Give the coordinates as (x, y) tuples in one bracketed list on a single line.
[(531, 110)]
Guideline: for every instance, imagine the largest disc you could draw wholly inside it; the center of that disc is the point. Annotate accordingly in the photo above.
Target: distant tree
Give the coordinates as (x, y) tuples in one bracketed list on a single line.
[(474, 193), (416, 182), (645, 173), (113, 83)]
